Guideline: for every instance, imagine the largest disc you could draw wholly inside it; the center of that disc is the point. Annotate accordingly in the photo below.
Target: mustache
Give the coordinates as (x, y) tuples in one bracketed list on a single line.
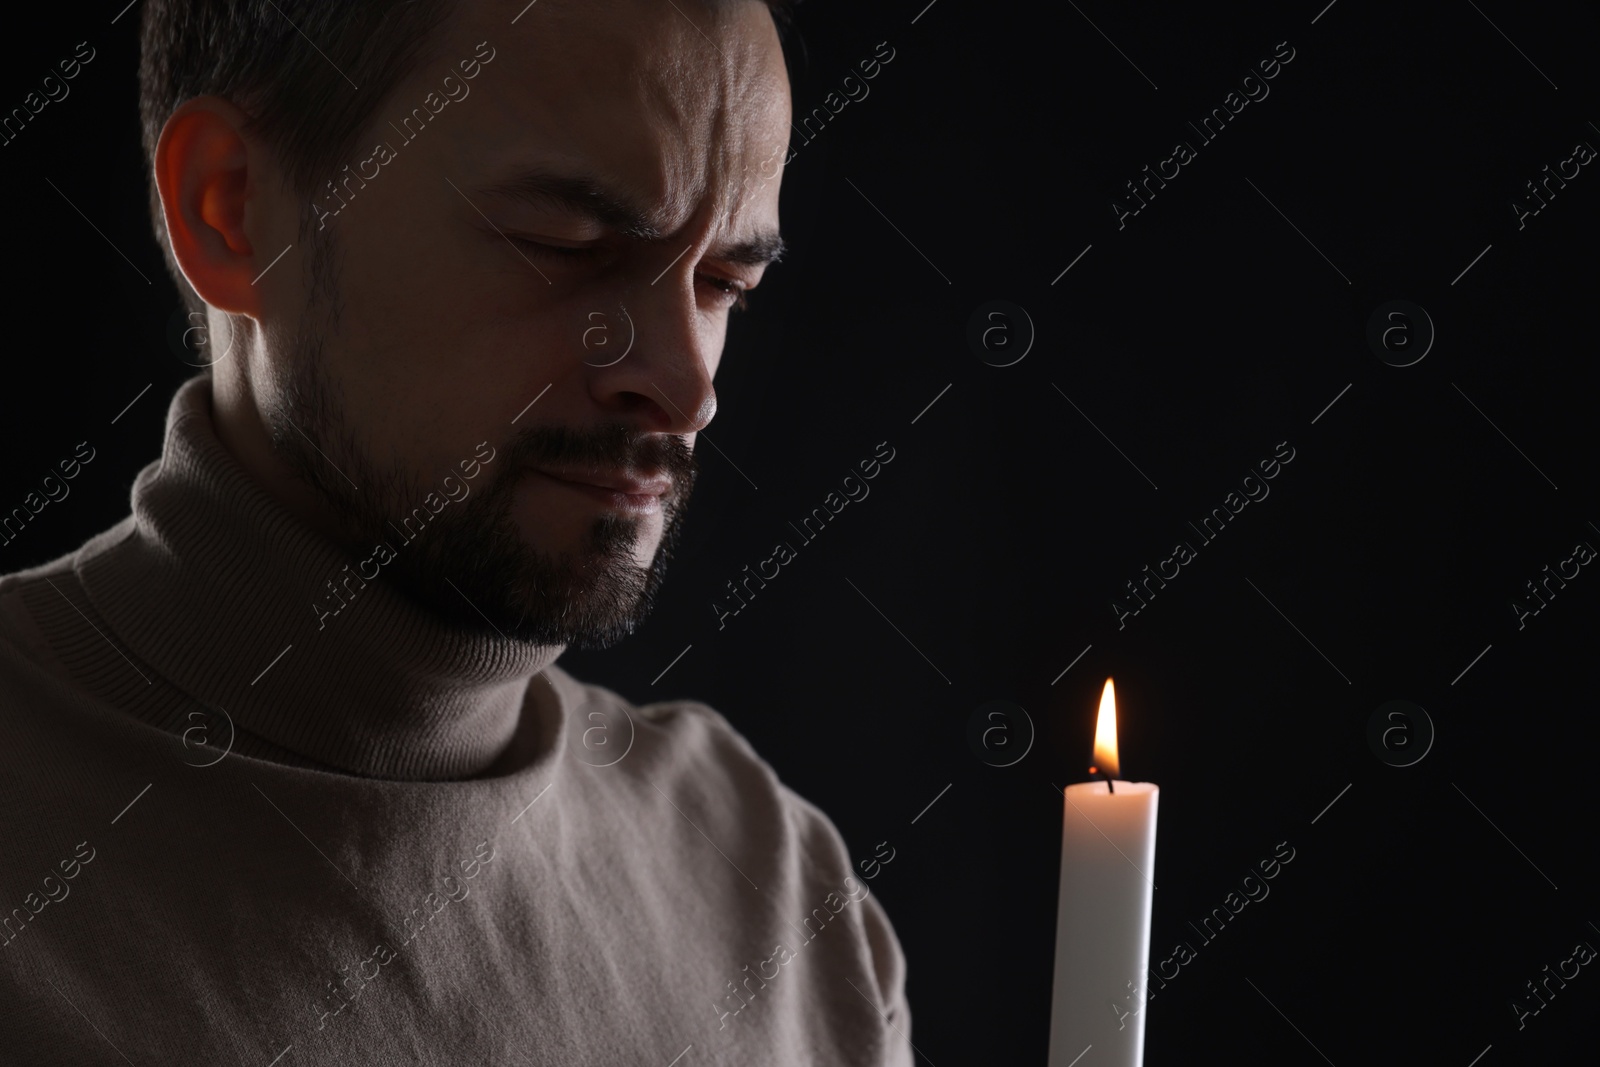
[(611, 446)]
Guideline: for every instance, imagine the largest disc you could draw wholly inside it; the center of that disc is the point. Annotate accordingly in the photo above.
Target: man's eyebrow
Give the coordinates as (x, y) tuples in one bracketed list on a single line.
[(758, 251), (588, 197), (577, 195)]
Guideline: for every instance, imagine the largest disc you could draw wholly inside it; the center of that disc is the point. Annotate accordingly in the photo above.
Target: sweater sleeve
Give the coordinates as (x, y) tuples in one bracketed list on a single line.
[(890, 965), (880, 964)]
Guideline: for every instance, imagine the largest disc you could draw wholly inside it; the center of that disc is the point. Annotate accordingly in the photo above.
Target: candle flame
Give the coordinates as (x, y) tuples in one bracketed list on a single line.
[(1105, 733)]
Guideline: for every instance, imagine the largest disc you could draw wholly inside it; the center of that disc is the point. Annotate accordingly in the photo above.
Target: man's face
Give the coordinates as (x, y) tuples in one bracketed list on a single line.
[(571, 332)]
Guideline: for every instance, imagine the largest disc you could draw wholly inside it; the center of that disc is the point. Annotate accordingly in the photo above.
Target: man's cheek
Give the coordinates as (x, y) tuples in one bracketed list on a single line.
[(773, 163)]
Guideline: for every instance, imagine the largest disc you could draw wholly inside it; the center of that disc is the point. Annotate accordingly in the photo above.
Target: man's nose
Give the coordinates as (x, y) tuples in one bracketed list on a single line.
[(671, 349)]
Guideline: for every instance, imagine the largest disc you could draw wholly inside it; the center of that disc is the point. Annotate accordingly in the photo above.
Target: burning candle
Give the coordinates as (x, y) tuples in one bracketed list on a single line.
[(1108, 854)]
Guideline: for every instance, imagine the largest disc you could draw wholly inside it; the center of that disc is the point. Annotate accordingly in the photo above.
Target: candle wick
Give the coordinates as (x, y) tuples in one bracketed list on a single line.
[(1109, 787)]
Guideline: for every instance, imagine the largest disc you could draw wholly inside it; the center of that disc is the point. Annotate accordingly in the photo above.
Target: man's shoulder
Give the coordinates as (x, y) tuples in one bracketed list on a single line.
[(673, 728), (689, 753), (93, 546), (577, 690), (681, 743)]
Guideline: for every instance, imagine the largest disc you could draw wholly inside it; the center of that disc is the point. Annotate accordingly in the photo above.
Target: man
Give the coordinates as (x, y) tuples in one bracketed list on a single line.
[(292, 775)]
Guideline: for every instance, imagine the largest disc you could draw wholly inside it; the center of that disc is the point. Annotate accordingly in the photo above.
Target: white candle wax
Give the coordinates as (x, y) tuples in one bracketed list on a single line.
[(1108, 854)]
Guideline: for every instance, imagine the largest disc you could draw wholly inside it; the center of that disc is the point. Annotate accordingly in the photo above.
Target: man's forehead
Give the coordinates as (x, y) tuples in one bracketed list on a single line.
[(669, 99), (667, 102)]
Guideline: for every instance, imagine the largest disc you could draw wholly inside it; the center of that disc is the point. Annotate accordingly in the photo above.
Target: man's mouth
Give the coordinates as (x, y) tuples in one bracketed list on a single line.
[(616, 489)]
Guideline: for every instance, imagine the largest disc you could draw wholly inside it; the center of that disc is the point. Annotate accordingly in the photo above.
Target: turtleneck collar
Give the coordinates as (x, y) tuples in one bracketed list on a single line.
[(214, 585)]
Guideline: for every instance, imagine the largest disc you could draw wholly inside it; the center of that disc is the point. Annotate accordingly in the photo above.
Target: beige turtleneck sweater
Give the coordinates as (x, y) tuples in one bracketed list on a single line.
[(232, 836)]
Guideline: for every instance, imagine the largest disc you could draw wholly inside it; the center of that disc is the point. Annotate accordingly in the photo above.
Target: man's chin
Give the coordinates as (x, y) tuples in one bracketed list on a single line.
[(589, 600), (582, 629), (586, 540)]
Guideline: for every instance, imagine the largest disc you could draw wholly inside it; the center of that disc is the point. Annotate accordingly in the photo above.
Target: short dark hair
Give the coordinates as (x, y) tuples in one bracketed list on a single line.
[(283, 62)]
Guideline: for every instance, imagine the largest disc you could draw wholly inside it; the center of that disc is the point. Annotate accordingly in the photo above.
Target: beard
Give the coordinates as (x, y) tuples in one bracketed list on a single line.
[(471, 565)]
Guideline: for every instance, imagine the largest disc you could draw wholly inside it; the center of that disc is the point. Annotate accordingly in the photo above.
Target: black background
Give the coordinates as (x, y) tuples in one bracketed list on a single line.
[(986, 557)]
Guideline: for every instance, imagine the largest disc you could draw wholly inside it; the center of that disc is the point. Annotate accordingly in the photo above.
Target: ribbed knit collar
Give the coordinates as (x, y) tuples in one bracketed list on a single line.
[(214, 590)]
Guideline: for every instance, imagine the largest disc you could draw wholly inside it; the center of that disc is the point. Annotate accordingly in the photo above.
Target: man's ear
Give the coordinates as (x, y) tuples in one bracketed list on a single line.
[(203, 171)]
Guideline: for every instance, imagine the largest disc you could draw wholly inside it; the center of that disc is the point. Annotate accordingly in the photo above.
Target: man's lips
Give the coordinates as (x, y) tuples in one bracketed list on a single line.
[(620, 482), (617, 491)]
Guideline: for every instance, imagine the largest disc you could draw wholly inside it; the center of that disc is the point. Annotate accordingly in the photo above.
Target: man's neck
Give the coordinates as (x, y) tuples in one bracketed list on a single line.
[(238, 426), (218, 593)]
